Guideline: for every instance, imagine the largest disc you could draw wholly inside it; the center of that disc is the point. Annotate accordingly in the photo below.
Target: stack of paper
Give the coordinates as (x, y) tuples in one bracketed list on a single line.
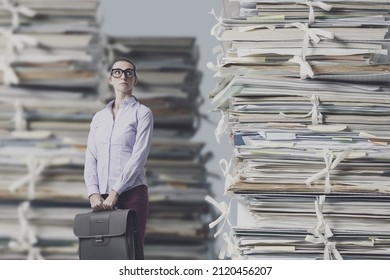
[(303, 87), (168, 83), (50, 69), (287, 225)]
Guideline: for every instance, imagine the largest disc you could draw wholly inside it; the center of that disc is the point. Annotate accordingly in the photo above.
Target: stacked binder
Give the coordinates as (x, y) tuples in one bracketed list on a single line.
[(303, 87)]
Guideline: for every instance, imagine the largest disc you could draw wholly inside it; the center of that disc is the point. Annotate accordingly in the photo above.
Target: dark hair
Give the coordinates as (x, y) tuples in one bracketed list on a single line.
[(124, 59)]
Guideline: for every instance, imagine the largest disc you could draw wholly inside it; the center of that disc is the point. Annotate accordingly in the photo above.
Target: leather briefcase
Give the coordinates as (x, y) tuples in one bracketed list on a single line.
[(108, 235)]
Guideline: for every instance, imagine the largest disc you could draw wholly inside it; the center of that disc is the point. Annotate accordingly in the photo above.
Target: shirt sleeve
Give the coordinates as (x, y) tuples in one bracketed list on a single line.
[(141, 149), (90, 168)]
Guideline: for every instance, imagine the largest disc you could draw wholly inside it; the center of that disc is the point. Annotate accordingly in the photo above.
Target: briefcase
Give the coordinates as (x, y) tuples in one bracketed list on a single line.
[(108, 235)]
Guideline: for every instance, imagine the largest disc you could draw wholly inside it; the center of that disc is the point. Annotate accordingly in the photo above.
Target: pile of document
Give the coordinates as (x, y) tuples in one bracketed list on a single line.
[(304, 92), (50, 71), (168, 83)]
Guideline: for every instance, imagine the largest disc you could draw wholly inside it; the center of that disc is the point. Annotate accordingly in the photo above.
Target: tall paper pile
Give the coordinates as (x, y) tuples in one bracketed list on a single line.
[(304, 92)]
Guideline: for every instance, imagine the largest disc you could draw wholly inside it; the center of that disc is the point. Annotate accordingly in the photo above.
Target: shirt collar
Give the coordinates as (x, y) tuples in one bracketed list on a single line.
[(129, 100)]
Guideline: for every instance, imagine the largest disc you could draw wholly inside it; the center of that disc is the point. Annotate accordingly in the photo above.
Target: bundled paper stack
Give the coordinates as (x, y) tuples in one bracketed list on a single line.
[(304, 91), (50, 53), (168, 83)]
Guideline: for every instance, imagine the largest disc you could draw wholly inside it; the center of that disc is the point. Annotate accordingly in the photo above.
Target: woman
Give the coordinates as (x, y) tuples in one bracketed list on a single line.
[(119, 142)]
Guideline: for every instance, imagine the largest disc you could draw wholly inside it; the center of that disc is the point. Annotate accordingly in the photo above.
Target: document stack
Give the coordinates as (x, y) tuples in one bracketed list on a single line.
[(168, 83), (304, 92), (49, 80)]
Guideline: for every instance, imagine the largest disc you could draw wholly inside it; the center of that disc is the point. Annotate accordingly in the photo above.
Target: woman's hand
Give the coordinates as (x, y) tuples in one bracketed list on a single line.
[(96, 202), (110, 201)]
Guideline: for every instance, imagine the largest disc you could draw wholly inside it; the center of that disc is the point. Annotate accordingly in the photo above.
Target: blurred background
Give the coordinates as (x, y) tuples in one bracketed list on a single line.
[(54, 68)]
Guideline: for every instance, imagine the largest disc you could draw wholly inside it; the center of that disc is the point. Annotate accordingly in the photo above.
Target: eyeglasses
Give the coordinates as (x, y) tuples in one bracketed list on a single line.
[(117, 72)]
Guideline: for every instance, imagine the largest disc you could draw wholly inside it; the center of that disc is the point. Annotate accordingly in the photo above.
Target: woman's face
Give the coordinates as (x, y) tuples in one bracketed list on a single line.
[(120, 78)]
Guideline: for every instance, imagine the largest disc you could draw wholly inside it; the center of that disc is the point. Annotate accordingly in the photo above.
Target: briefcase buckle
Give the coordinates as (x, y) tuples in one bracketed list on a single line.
[(98, 238)]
